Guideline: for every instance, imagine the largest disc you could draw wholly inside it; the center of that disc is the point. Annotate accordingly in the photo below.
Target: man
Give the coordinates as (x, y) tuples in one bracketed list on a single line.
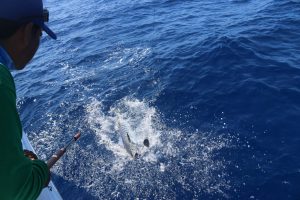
[(22, 175)]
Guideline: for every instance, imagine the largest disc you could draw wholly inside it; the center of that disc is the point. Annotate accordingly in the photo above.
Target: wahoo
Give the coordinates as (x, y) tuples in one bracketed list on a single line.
[(132, 148)]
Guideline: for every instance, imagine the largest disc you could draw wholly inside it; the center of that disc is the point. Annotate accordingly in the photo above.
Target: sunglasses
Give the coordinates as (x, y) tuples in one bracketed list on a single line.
[(46, 15)]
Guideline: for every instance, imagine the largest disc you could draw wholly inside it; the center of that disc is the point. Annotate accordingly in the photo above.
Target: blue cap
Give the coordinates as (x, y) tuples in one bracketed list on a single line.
[(24, 11)]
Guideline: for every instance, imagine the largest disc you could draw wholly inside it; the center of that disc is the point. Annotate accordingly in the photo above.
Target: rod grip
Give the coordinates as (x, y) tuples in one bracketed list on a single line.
[(55, 157)]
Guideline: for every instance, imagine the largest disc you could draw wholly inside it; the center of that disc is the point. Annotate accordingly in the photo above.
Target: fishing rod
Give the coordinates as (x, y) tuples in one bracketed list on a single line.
[(55, 157)]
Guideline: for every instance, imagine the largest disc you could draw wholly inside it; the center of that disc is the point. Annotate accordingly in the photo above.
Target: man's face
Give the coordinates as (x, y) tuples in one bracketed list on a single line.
[(33, 35), (34, 42)]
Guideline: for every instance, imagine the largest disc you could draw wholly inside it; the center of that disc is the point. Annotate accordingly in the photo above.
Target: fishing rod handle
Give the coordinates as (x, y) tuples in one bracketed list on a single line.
[(55, 157)]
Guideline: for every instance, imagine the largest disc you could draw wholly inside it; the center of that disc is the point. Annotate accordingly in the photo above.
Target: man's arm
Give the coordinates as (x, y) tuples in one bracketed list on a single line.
[(33, 156), (21, 178)]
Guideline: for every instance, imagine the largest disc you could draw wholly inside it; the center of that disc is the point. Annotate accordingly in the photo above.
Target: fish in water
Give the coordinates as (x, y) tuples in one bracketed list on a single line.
[(132, 148)]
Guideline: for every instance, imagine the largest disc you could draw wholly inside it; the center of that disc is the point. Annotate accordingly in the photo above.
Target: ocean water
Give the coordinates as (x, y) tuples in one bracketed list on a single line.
[(213, 85)]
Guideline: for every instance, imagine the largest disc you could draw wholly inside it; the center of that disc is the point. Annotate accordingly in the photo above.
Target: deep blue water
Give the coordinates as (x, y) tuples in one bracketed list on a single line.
[(214, 85)]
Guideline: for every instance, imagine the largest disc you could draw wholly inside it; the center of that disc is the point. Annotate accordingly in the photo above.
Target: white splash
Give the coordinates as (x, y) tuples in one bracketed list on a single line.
[(133, 115), (171, 152)]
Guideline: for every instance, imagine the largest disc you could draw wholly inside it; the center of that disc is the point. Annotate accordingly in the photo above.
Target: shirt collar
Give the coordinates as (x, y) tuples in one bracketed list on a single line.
[(6, 60)]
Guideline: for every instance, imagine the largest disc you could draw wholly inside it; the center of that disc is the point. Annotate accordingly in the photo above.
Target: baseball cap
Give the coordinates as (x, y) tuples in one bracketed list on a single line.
[(24, 11)]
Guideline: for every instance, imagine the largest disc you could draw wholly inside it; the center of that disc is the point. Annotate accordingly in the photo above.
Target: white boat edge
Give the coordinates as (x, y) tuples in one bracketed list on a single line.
[(50, 192)]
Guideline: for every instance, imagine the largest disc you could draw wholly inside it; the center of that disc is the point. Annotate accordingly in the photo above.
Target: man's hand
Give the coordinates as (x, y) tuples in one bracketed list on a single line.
[(30, 155)]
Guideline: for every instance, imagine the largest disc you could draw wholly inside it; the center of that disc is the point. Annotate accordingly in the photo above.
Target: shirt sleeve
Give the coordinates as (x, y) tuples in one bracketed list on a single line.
[(35, 182), (20, 178)]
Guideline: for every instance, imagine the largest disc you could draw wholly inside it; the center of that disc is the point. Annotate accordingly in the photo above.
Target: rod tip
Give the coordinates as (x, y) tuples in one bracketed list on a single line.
[(77, 136)]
